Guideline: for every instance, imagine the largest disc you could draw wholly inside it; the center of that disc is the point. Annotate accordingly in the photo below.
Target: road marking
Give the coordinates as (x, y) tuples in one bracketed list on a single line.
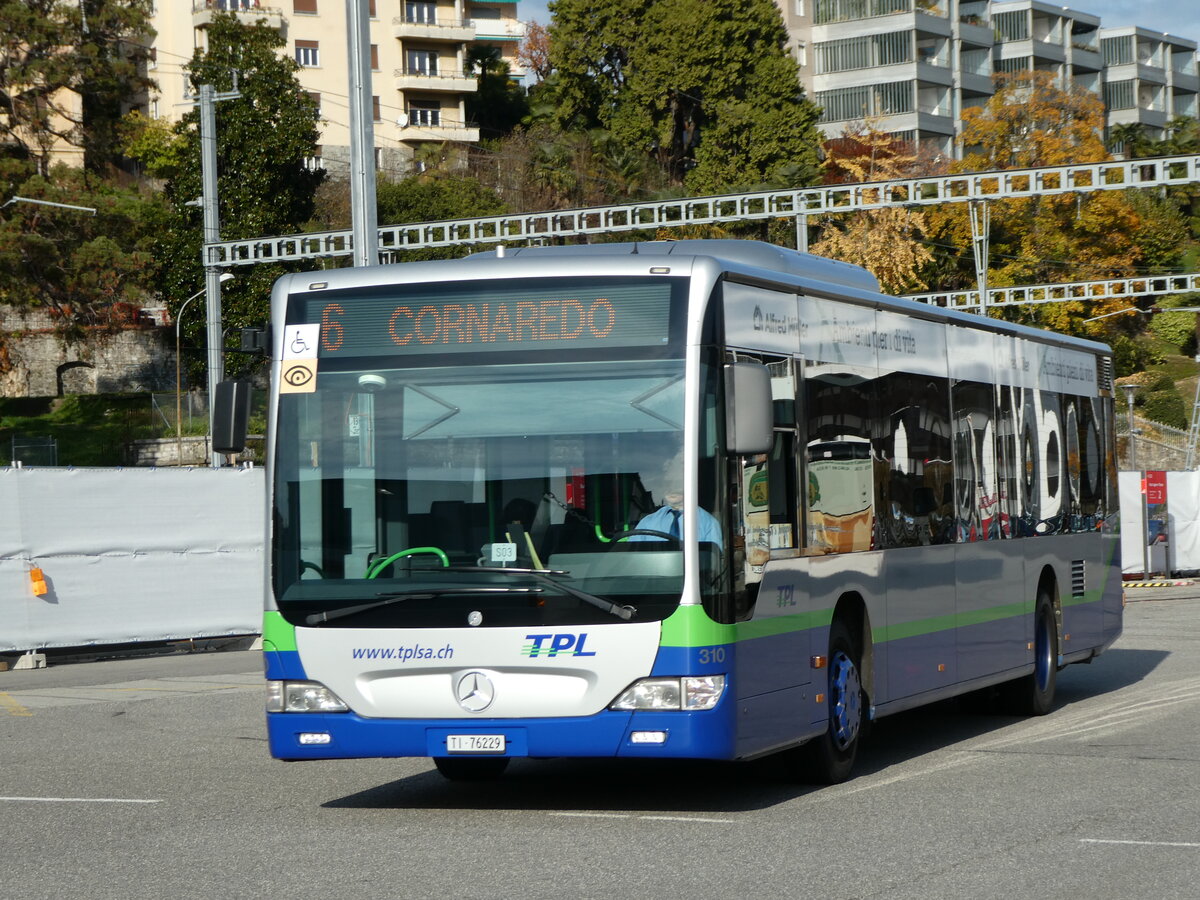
[(602, 815), (911, 770), (73, 800), (12, 707), (1142, 843), (686, 819)]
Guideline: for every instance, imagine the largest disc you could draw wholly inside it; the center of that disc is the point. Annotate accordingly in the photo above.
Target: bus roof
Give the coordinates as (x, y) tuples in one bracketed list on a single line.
[(753, 260)]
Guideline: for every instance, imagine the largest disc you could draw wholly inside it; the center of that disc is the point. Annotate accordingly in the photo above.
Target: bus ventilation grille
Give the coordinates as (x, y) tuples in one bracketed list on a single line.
[(1104, 373), (1078, 578)]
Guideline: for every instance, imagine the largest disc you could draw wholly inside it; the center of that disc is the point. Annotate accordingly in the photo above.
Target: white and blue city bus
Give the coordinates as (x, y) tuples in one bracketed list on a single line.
[(694, 499)]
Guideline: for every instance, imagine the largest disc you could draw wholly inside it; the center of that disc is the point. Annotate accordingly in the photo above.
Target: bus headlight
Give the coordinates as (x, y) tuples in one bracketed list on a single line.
[(689, 692), (302, 697)]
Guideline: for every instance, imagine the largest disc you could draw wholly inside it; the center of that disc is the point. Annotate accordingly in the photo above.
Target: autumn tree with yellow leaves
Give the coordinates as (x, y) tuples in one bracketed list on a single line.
[(1032, 121), (889, 242)]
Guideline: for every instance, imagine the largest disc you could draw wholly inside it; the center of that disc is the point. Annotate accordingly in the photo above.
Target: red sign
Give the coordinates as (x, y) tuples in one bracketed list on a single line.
[(1156, 488)]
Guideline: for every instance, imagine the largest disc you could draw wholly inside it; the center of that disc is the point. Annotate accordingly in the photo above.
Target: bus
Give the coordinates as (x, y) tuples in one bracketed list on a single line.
[(704, 499)]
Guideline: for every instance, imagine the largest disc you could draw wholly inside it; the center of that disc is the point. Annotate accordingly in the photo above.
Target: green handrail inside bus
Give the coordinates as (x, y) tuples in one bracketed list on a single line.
[(600, 536), (376, 567)]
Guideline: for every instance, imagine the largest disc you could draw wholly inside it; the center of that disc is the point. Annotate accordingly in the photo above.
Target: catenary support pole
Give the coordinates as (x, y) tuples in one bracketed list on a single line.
[(363, 216)]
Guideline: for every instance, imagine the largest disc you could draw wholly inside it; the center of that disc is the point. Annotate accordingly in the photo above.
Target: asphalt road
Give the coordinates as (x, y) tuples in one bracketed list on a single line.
[(150, 778)]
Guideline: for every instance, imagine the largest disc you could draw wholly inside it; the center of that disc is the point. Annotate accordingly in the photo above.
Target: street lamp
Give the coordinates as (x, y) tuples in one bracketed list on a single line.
[(1130, 390), (225, 276)]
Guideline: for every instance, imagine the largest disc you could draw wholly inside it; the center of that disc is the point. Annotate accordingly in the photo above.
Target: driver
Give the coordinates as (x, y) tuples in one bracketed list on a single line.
[(668, 519)]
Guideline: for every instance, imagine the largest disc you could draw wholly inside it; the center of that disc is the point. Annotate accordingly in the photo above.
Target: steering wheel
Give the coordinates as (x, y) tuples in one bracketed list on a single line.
[(380, 564), (619, 536)]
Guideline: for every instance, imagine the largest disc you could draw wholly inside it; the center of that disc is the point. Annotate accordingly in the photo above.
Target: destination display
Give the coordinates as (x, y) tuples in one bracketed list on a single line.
[(488, 317)]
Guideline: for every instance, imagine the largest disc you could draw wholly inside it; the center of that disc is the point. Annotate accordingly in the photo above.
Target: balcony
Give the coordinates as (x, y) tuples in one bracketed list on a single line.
[(434, 80), (456, 31), (430, 125), (498, 29), (248, 11)]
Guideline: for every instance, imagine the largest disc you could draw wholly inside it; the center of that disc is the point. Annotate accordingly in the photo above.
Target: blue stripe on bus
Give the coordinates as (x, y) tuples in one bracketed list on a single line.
[(692, 735), (283, 664)]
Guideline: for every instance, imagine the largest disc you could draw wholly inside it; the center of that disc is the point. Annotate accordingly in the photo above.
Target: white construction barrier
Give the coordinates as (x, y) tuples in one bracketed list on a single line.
[(1182, 546), (129, 555)]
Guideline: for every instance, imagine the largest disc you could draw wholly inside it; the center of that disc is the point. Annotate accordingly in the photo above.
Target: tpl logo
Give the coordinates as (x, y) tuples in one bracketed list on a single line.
[(552, 645)]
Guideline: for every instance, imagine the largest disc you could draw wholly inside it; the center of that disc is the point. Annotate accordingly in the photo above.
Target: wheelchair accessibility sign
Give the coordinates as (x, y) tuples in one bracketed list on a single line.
[(298, 369)]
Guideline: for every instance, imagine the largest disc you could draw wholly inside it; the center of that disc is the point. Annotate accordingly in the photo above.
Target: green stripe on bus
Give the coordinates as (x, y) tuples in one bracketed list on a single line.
[(690, 626), (278, 631)]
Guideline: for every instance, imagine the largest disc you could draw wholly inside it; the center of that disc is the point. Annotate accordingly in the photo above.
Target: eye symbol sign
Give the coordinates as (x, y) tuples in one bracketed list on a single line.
[(297, 376)]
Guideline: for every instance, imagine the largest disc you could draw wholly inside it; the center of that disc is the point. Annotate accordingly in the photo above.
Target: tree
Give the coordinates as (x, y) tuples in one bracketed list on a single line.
[(264, 186), (426, 198), (707, 89), (76, 264), (65, 69), (1032, 121), (888, 242), (498, 104), (534, 51)]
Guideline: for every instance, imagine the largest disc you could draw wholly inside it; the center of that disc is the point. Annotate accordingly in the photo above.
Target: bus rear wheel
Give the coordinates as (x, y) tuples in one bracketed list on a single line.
[(1033, 694), (829, 758), (476, 768)]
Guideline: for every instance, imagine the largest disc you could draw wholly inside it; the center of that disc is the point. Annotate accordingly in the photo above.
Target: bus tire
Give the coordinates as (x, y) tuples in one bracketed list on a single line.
[(477, 768), (829, 759), (1033, 694)]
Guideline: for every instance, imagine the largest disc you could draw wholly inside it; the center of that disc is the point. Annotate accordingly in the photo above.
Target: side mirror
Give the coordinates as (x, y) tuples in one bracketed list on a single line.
[(231, 416), (748, 409)]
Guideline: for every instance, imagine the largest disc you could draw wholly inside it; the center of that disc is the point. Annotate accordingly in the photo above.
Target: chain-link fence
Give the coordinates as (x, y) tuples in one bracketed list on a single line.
[(34, 451), (188, 411), (1156, 447)]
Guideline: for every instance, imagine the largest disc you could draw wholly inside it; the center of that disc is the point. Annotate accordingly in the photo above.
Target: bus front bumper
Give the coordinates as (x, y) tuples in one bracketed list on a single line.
[(689, 735)]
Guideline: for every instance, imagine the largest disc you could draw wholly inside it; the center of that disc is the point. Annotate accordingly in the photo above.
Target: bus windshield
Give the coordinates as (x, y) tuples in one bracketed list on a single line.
[(439, 490)]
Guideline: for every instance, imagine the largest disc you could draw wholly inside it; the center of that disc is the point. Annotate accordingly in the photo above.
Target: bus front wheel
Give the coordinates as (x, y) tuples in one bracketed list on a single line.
[(474, 768), (829, 758)]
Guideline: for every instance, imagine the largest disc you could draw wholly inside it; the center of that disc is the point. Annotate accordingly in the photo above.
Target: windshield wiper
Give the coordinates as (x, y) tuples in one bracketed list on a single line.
[(542, 576), (390, 597)]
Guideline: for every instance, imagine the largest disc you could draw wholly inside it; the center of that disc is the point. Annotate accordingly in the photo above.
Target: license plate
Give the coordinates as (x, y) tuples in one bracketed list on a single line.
[(475, 743)]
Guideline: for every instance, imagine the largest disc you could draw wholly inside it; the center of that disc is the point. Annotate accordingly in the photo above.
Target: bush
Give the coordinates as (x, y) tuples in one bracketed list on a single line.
[(1157, 382), (1129, 356), (1175, 328), (1166, 408)]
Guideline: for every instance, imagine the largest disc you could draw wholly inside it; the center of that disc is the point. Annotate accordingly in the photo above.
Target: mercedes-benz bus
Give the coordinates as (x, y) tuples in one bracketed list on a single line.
[(693, 499)]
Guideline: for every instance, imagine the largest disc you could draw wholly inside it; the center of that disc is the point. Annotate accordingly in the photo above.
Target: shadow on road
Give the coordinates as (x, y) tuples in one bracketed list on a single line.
[(699, 787)]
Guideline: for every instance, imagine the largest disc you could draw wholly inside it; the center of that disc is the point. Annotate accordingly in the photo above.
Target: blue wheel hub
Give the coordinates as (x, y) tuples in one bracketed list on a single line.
[(1044, 663), (846, 700)]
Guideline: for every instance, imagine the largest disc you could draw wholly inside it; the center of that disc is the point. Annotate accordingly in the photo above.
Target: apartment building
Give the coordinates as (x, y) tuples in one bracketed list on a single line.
[(911, 67), (418, 60), (1149, 78)]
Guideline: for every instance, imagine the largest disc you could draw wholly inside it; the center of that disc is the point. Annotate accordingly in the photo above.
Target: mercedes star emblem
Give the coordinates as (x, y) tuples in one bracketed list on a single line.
[(475, 692)]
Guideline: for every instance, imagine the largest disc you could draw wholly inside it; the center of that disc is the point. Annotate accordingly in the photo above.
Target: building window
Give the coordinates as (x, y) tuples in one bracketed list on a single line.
[(374, 57), (1118, 51), (864, 52), (315, 96), (305, 7), (1016, 64), (376, 110), (425, 113), (826, 11), (1011, 26), (308, 53), (422, 62), (887, 99), (314, 163), (378, 158), (420, 12), (1120, 95)]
